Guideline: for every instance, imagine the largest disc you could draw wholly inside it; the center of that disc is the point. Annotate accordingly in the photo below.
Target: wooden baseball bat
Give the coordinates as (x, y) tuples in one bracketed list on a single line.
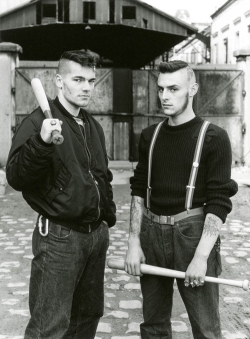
[(148, 269), (40, 95)]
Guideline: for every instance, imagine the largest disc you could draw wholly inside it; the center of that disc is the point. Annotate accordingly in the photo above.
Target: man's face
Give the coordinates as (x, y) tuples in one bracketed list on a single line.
[(173, 90), (77, 84)]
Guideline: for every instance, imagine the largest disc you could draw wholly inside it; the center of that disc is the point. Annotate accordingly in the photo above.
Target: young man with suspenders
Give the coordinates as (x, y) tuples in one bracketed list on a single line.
[(180, 198)]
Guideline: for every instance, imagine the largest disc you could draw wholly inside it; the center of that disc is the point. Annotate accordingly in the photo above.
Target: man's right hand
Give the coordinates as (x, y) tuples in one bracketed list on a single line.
[(135, 257), (48, 126)]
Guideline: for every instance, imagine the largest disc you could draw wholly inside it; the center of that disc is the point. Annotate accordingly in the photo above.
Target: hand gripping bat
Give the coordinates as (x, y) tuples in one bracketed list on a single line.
[(148, 269), (40, 95)]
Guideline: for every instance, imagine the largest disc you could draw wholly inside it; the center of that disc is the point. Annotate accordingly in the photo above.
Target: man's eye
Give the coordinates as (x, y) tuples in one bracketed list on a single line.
[(77, 80), (173, 89), (92, 81), (160, 90)]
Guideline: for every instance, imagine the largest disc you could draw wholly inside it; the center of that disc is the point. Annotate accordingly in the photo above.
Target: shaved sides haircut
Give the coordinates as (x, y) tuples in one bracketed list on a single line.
[(176, 65), (84, 58)]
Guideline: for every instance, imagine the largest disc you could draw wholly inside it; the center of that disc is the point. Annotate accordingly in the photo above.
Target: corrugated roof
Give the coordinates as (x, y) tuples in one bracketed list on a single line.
[(168, 16)]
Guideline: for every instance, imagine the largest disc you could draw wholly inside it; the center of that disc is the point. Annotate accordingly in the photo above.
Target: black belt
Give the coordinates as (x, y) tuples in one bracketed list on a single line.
[(85, 227), (90, 227)]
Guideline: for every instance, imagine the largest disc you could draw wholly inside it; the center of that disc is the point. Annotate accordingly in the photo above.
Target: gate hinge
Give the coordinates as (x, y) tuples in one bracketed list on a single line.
[(244, 93)]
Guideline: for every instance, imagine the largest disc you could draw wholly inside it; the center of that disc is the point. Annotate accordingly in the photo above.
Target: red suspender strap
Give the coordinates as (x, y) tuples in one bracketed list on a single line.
[(151, 148), (195, 167)]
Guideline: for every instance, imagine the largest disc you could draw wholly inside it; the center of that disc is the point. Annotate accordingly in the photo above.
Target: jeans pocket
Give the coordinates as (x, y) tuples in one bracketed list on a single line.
[(191, 228), (58, 231), (146, 223)]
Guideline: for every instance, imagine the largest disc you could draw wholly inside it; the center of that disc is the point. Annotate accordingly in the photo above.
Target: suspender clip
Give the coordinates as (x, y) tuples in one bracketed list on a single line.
[(188, 186)]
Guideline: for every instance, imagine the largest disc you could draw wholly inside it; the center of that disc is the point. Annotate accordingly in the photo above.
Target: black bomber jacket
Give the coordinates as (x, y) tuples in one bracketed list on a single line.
[(69, 183)]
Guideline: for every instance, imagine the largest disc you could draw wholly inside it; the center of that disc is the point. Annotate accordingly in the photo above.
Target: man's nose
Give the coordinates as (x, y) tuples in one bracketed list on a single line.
[(85, 86), (165, 94)]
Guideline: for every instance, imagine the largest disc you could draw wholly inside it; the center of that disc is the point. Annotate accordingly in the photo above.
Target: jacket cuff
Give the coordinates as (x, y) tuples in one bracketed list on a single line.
[(40, 141)]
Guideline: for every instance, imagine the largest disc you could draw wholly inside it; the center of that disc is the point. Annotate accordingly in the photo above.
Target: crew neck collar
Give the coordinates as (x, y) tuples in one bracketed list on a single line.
[(181, 127)]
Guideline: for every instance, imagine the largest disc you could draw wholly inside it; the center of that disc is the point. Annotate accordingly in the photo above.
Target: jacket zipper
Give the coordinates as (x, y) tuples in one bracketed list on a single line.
[(93, 178)]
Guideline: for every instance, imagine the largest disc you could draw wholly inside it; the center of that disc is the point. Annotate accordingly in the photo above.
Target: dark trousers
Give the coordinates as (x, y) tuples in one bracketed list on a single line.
[(66, 296), (173, 247)]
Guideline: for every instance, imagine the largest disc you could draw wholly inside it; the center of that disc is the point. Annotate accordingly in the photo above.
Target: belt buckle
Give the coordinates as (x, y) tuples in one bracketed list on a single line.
[(166, 220), (170, 220)]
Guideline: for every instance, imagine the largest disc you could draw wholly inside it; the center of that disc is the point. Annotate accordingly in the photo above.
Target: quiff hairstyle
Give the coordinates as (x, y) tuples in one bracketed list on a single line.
[(176, 65), (82, 57)]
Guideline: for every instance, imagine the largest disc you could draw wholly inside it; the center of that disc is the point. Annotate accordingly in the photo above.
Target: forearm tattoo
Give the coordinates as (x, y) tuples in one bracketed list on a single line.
[(212, 226), (136, 215)]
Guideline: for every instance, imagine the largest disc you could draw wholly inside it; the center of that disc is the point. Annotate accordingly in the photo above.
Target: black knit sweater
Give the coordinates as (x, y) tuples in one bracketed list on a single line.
[(172, 162)]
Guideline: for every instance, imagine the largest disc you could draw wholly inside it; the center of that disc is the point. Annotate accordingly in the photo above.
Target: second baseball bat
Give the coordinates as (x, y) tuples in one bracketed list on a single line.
[(40, 95), (148, 269)]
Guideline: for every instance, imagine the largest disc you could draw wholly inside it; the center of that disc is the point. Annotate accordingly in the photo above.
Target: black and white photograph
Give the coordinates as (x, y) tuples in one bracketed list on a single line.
[(124, 169)]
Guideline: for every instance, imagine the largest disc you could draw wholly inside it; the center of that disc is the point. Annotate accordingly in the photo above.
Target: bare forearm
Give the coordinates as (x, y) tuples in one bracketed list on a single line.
[(211, 231), (136, 214)]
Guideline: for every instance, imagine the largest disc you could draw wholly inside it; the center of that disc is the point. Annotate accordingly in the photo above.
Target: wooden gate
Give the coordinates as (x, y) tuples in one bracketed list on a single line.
[(219, 100), (126, 101)]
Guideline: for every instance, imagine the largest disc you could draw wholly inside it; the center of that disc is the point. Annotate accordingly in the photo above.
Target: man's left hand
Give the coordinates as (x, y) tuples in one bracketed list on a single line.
[(196, 271)]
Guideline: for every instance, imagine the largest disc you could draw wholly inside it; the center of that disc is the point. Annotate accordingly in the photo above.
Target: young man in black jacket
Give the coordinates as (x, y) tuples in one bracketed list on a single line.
[(69, 187), (175, 222)]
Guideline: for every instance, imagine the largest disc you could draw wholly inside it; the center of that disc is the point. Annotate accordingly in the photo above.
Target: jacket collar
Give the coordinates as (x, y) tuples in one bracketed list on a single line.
[(66, 113)]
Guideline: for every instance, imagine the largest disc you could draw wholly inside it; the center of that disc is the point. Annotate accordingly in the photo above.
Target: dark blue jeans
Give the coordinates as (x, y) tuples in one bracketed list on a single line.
[(174, 247), (66, 296)]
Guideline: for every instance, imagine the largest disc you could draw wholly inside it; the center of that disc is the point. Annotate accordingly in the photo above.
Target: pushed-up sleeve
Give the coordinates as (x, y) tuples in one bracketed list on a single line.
[(29, 157), (139, 180), (220, 186)]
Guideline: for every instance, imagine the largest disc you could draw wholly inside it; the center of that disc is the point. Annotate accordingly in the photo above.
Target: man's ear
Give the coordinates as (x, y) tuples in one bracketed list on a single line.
[(193, 89), (59, 83)]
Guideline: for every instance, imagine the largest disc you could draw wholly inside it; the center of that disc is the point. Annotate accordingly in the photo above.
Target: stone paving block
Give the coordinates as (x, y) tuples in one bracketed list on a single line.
[(121, 278), (126, 337), (133, 327), (104, 327), (110, 295), (132, 286), (113, 286), (233, 300), (130, 304), (179, 326), (118, 314)]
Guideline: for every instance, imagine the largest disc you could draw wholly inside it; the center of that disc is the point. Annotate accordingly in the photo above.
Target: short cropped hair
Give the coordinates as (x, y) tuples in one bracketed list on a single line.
[(176, 65), (82, 57)]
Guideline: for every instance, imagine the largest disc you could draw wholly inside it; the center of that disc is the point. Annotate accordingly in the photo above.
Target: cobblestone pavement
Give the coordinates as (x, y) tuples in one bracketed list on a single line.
[(123, 301)]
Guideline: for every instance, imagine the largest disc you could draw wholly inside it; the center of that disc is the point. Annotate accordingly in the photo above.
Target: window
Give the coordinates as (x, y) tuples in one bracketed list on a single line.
[(49, 11), (88, 11), (193, 52), (111, 11), (63, 10), (215, 54), (225, 51), (129, 12), (237, 41), (145, 23)]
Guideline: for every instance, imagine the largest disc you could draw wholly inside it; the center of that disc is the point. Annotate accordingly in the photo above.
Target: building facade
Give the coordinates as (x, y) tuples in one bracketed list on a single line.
[(230, 31)]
